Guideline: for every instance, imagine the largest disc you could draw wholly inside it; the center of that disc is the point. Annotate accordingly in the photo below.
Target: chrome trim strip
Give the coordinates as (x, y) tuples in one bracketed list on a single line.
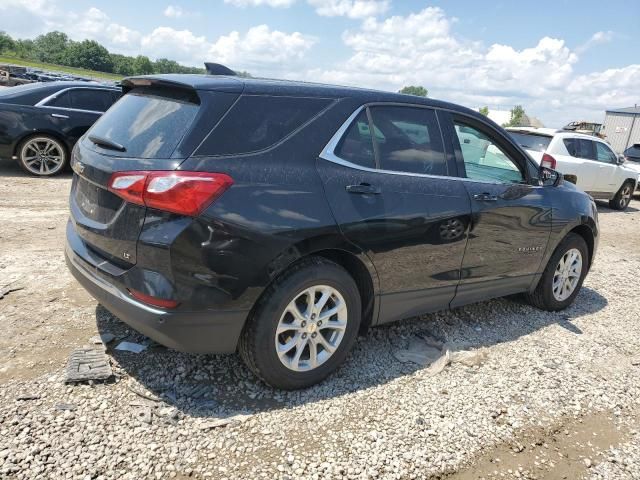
[(43, 102), (328, 152)]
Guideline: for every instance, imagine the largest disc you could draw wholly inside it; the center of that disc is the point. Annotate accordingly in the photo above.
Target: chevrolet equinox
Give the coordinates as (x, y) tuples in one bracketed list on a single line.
[(217, 214)]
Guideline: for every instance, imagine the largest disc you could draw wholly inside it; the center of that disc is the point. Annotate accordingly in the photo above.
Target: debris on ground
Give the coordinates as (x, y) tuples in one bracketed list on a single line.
[(224, 421), (65, 407), (429, 352), (28, 396), (635, 361), (4, 291), (141, 391), (87, 364), (144, 414), (131, 347), (103, 338)]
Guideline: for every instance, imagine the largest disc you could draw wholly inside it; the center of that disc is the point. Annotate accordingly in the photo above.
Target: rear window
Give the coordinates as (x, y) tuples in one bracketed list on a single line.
[(531, 141), (259, 122), (148, 122)]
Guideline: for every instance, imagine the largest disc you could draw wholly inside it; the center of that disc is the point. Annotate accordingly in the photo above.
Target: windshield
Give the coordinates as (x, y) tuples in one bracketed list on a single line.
[(145, 123), (531, 141)]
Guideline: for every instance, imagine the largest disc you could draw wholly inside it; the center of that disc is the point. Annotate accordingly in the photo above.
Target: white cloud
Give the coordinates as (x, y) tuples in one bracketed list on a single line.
[(173, 12), (350, 8), (422, 49), (597, 38), (259, 47), (257, 3)]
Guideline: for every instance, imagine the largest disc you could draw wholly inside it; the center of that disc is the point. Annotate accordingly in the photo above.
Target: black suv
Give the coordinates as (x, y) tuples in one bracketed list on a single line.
[(276, 218)]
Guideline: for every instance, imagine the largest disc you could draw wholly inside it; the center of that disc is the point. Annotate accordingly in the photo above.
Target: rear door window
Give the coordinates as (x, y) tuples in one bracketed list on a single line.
[(409, 140), (148, 122), (580, 148), (258, 122), (357, 145), (89, 99)]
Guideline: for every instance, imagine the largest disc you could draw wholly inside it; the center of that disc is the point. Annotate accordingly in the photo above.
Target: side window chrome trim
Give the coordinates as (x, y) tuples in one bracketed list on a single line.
[(328, 152), (45, 100)]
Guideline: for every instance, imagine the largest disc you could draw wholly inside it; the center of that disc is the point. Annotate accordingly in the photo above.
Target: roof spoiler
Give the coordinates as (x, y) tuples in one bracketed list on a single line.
[(218, 69)]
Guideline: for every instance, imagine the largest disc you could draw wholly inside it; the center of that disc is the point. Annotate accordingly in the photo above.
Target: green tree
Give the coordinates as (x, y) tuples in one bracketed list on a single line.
[(89, 54), (122, 64), (51, 47), (142, 65), (518, 115), (414, 90), (24, 49), (484, 111), (164, 65), (6, 43)]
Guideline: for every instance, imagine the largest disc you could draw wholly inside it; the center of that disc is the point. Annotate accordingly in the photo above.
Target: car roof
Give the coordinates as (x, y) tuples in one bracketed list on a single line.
[(547, 132), (265, 86)]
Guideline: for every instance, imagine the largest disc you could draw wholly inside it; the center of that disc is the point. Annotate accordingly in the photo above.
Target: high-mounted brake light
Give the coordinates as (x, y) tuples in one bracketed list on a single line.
[(548, 161), (185, 193)]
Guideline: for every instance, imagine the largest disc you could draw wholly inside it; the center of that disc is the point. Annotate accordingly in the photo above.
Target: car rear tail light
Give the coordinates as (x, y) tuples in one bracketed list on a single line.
[(151, 300), (548, 161), (185, 193)]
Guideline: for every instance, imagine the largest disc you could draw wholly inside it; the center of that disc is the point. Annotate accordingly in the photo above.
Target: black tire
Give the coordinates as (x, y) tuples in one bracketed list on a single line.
[(45, 167), (257, 342), (543, 297), (623, 196)]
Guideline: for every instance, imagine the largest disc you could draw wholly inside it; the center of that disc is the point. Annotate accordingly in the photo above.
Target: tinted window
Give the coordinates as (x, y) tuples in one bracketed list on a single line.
[(259, 122), (483, 159), (87, 99), (538, 143), (605, 154), (149, 123), (409, 140), (580, 148), (357, 145), (633, 152), (63, 100)]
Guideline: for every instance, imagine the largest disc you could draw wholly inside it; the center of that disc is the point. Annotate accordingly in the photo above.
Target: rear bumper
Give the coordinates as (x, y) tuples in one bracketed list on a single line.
[(209, 331)]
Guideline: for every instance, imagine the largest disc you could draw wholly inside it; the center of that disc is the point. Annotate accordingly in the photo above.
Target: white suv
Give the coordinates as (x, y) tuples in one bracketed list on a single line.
[(585, 160)]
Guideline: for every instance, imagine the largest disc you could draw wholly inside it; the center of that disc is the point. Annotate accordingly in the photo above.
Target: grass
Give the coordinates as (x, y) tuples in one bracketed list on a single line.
[(59, 68)]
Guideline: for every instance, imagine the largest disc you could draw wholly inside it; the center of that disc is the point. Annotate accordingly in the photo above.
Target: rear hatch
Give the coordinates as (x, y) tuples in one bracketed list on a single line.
[(151, 128), (535, 144)]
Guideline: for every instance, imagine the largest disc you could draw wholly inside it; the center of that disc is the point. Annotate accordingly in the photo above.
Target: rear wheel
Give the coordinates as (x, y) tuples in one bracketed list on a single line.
[(623, 197), (42, 155), (304, 326), (562, 278)]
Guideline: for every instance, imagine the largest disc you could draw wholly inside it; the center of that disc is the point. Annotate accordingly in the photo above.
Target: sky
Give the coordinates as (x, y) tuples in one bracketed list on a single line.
[(561, 60)]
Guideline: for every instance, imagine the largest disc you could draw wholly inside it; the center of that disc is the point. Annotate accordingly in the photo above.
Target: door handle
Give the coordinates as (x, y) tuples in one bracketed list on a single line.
[(59, 115), (485, 197), (364, 189)]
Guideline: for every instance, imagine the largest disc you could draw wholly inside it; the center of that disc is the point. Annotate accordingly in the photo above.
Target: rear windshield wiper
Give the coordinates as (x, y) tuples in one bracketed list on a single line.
[(106, 143)]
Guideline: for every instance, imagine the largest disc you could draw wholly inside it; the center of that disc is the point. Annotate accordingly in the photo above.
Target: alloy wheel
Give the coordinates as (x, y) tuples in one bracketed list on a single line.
[(567, 274), (625, 196), (42, 156), (311, 328)]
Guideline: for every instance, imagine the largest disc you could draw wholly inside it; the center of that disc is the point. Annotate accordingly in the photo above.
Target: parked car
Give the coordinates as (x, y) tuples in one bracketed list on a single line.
[(216, 214), (632, 157), (41, 122), (588, 160)]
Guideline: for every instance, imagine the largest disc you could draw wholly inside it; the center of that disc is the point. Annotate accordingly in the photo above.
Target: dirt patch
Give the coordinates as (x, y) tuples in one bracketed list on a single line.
[(564, 450)]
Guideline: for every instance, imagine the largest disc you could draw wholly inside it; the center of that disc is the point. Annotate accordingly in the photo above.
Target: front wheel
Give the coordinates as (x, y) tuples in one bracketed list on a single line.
[(304, 326), (623, 197), (562, 278), (42, 156)]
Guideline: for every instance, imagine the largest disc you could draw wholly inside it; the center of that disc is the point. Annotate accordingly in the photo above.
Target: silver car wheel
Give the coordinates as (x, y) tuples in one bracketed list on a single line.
[(311, 328), (567, 274), (625, 196), (42, 156)]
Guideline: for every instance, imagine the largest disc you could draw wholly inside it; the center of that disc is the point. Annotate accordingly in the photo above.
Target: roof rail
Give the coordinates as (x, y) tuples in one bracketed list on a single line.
[(218, 69)]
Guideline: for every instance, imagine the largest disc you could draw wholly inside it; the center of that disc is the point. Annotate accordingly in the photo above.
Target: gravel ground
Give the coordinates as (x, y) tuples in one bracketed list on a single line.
[(554, 396)]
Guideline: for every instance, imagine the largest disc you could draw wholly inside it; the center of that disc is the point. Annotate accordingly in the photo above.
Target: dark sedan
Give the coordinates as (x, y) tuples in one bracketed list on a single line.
[(41, 122)]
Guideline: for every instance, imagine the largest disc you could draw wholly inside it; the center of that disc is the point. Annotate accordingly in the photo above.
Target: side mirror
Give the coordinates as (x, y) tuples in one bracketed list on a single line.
[(621, 159), (549, 177)]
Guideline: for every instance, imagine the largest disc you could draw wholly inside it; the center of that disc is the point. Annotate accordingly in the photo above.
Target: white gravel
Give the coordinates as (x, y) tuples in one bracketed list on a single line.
[(375, 418)]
